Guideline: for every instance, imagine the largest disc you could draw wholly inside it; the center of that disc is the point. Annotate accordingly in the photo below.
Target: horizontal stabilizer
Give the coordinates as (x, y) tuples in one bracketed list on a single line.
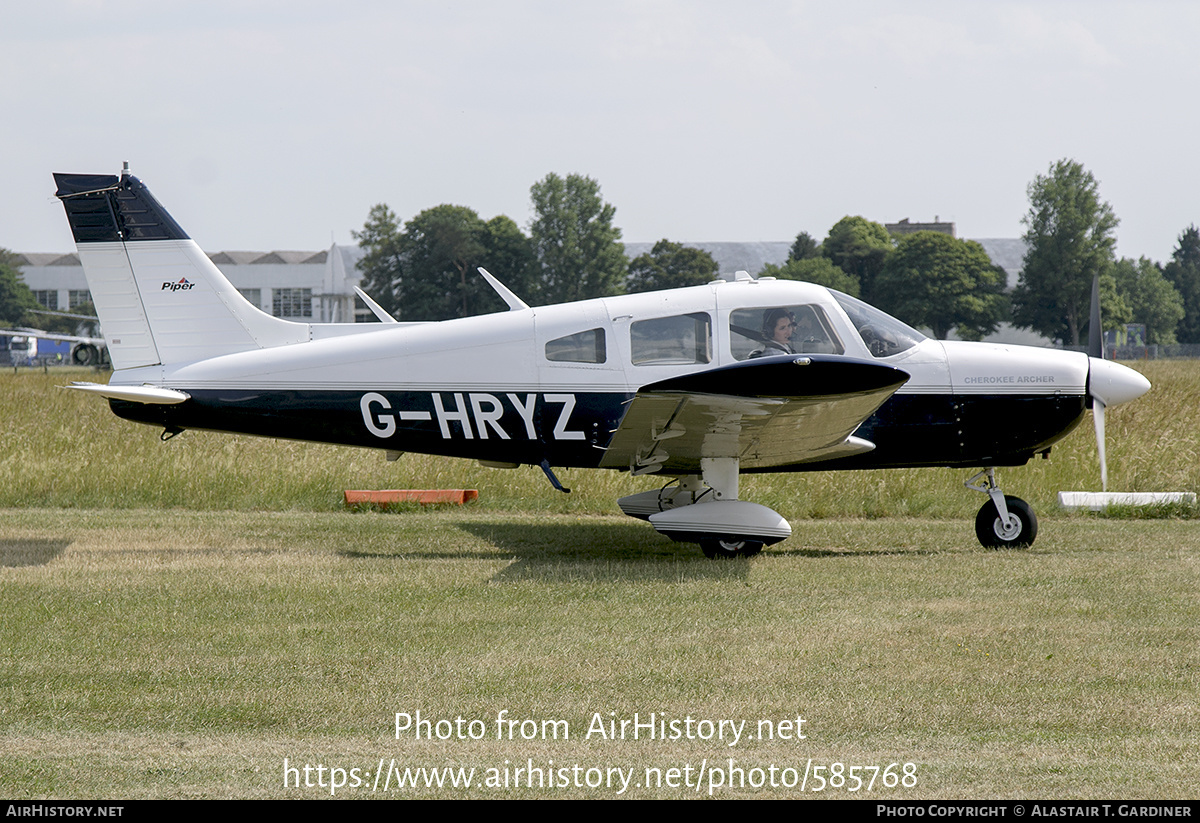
[(134, 394)]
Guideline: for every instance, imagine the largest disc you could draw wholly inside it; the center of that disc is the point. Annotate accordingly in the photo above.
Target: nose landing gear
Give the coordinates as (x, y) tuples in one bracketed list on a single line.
[(1004, 521)]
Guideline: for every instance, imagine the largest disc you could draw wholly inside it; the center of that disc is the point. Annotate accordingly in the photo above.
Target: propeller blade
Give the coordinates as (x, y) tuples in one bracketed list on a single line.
[(1095, 329), (1101, 376), (1110, 384)]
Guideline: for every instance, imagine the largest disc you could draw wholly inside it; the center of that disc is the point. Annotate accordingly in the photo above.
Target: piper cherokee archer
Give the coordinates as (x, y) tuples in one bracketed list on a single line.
[(692, 384)]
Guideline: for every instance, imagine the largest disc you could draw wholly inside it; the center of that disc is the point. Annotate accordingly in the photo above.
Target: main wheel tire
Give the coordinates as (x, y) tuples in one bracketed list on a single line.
[(716, 549), (993, 533)]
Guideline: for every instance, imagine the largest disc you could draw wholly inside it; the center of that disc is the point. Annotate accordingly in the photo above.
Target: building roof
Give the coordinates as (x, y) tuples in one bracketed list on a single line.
[(51, 259), (1008, 253), (221, 258), (731, 257)]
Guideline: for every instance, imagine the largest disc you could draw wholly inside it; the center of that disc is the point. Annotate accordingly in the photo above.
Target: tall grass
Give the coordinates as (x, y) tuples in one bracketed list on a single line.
[(64, 449)]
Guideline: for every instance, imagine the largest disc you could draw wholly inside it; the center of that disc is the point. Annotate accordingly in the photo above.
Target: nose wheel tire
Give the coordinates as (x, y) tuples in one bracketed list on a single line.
[(730, 548), (994, 533)]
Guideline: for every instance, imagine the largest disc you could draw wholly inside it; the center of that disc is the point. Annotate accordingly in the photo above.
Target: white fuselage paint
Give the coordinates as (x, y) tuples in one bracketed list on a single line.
[(500, 358)]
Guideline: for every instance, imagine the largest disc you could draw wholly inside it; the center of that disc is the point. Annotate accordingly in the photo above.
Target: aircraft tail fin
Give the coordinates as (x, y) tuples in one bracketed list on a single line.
[(159, 298)]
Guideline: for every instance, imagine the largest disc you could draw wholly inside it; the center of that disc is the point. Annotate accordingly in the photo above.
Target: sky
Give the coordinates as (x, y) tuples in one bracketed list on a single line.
[(263, 124)]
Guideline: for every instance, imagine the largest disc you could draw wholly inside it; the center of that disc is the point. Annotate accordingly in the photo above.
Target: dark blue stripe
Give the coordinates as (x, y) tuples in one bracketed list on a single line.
[(337, 417), (908, 430)]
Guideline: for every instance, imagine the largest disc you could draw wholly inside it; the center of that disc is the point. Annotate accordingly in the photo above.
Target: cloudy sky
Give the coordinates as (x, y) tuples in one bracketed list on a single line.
[(277, 125)]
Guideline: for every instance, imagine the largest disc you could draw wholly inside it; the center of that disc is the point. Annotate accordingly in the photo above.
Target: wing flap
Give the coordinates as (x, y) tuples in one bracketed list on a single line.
[(767, 413)]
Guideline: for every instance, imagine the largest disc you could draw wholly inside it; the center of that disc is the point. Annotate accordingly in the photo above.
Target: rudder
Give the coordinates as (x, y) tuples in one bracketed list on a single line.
[(159, 298)]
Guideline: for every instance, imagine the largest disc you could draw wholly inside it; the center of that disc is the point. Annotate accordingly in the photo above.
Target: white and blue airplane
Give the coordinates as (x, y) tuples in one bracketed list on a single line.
[(692, 385)]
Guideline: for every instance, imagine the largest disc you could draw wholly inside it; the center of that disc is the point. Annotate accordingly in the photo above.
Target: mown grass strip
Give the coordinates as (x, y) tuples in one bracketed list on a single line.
[(177, 653)]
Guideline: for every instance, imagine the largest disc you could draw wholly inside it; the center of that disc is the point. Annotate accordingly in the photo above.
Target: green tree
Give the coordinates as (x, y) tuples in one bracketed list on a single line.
[(943, 283), (804, 247), (671, 266), (440, 250), (1184, 273), (1069, 234), (381, 264), (15, 297), (578, 248), (859, 247), (508, 254), (819, 270), (427, 270), (1151, 298)]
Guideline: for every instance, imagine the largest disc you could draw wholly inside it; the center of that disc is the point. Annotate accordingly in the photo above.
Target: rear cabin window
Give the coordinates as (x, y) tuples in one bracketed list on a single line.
[(672, 341), (753, 332), (584, 347)]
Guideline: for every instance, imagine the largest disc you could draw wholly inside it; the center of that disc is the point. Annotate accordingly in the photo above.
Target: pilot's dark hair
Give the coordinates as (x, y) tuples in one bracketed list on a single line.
[(772, 317)]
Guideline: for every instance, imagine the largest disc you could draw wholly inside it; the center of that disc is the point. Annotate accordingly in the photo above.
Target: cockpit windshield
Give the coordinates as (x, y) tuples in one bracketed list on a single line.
[(883, 334)]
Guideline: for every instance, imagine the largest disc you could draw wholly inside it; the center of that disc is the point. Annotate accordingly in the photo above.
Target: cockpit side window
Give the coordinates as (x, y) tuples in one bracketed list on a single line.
[(774, 330), (883, 334), (584, 347), (672, 341)]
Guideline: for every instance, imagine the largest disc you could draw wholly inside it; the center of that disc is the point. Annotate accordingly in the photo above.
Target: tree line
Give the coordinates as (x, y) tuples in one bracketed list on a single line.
[(573, 251), (425, 268)]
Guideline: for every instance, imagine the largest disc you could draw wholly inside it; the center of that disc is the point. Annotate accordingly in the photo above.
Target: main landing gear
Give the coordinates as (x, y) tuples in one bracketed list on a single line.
[(1004, 521), (716, 549), (704, 508)]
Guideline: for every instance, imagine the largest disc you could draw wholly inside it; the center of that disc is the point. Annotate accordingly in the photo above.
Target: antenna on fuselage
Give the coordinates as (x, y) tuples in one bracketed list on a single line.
[(514, 303), (375, 308), (735, 277)]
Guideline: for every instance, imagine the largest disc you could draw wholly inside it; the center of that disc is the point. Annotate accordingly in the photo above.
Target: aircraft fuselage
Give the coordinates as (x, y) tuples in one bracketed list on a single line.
[(552, 383)]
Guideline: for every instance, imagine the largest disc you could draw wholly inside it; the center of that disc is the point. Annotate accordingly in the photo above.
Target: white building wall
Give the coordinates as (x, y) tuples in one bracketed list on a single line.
[(330, 276)]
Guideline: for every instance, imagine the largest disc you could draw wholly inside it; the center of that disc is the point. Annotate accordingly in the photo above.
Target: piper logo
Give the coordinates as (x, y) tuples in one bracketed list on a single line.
[(182, 284)]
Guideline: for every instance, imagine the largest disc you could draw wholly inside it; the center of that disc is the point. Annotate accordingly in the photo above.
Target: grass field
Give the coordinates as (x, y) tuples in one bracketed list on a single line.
[(180, 618)]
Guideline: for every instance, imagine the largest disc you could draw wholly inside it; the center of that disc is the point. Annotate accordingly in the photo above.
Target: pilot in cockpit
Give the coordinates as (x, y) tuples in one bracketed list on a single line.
[(777, 329), (879, 342)]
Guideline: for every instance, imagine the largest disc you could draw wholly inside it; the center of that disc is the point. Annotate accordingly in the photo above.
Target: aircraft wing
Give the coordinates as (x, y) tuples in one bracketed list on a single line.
[(770, 412), (49, 335)]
